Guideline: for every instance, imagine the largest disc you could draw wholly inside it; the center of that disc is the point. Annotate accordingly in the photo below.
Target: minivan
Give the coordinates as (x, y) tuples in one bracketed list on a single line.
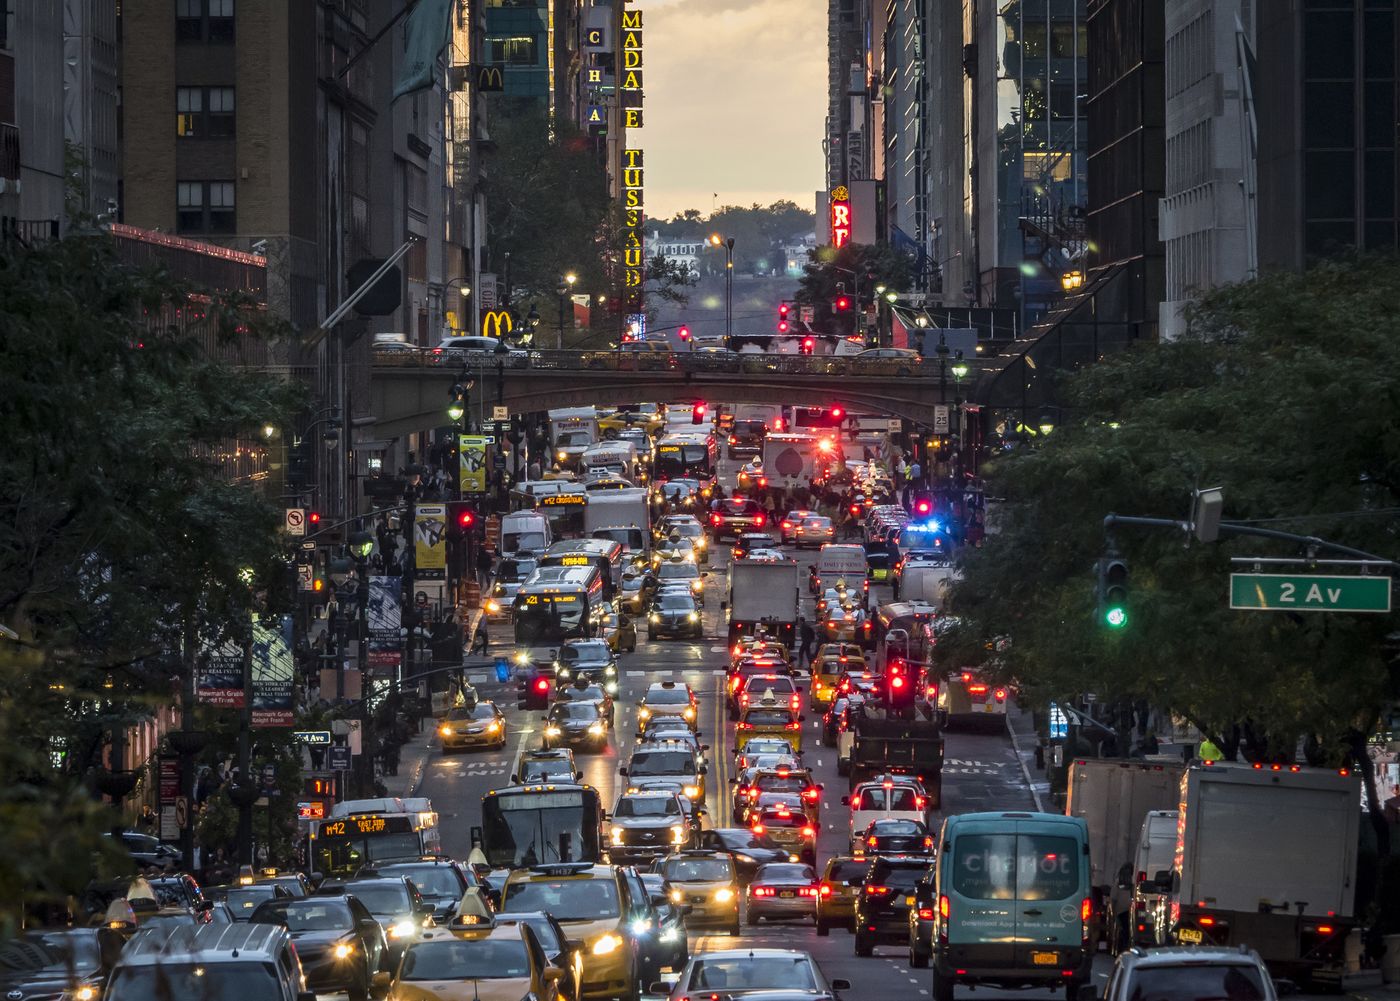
[(1014, 908), (257, 961), (1156, 849)]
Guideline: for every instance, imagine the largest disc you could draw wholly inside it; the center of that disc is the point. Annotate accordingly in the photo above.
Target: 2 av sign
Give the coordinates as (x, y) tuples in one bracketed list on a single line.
[(1268, 592)]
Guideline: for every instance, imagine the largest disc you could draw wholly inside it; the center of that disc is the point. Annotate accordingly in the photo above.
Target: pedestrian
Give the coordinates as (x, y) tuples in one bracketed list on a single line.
[(480, 639), (148, 819), (534, 471), (483, 567), (1208, 751), (916, 473), (390, 756), (808, 636)]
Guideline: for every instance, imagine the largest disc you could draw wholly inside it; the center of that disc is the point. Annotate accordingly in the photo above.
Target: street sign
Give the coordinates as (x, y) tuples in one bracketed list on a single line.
[(306, 577), (806, 313), (313, 738), (499, 460), (340, 758), (500, 413), (1059, 723), (940, 419), (182, 813), (294, 519), (1275, 592), (311, 810)]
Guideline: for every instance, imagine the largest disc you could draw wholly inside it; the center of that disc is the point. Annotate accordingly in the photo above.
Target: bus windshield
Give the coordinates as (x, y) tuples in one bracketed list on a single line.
[(542, 619), (538, 826), (678, 461)]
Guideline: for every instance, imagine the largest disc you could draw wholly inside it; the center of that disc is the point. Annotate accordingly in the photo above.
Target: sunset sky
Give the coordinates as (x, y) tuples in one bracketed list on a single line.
[(735, 102)]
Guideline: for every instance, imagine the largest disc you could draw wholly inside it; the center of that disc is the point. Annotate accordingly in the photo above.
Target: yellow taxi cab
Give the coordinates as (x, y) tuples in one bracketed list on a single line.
[(488, 963), (827, 665), (600, 909), (759, 647), (769, 718), (706, 882), (791, 829), (619, 631), (837, 892)]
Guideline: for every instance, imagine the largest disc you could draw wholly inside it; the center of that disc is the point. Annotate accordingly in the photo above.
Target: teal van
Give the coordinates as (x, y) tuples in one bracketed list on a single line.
[(1013, 904)]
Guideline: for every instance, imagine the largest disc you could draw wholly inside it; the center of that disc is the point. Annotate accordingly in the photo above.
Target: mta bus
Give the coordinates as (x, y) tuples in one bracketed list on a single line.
[(558, 603), (605, 554), (540, 824), (385, 829), (681, 456)]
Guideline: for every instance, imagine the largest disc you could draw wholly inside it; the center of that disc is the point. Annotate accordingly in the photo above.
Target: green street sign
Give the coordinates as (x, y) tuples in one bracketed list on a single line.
[(1273, 592)]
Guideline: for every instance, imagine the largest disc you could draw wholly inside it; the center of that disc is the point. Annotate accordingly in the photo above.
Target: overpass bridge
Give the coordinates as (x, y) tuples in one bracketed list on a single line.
[(409, 390)]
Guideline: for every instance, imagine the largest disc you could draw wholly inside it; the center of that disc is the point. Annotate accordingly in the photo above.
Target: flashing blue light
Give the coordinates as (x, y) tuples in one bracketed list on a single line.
[(927, 526)]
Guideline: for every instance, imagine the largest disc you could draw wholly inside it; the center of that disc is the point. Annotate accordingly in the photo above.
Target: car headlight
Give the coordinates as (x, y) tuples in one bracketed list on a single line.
[(522, 658), (655, 617), (562, 672), (691, 792), (724, 895), (677, 897), (692, 617), (561, 455), (617, 835), (611, 687), (699, 543), (493, 606), (87, 992), (670, 935), (689, 712), (610, 671), (696, 585), (741, 857), (643, 713), (641, 926), (343, 950), (677, 834), (445, 730), (552, 731), (608, 943), (402, 929), (494, 726), (597, 729)]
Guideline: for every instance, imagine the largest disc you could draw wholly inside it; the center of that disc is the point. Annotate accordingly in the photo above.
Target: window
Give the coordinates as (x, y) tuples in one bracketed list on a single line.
[(520, 50), (204, 112), (204, 21), (205, 207)]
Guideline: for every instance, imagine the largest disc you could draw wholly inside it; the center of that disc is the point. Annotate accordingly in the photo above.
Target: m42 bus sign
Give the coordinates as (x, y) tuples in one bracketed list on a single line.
[(1269, 592)]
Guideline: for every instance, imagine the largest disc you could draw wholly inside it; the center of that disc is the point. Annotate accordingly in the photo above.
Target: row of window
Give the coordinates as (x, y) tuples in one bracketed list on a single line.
[(204, 112), (204, 21), (205, 207)]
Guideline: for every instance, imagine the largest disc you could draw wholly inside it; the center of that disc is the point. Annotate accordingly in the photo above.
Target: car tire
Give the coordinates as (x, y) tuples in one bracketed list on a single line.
[(823, 929), (917, 959), (751, 919), (843, 768), (864, 947), (733, 929), (942, 987), (651, 636), (360, 991)]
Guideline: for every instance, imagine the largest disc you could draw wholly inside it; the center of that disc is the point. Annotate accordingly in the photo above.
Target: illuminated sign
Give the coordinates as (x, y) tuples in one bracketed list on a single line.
[(594, 37), (576, 561), (354, 827), (496, 322), (552, 599), (630, 86), (840, 216), (563, 500), (633, 248)]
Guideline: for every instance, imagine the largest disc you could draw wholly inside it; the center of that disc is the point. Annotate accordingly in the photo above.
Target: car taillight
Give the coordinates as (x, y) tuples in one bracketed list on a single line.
[(999, 694), (811, 794), (753, 794), (943, 907), (855, 802), (796, 703), (807, 891), (1205, 921), (743, 726), (977, 689), (925, 913), (825, 890), (794, 725), (878, 891), (966, 676), (716, 519), (437, 351), (809, 832), (872, 841), (764, 891), (867, 625), (943, 924), (758, 520), (757, 828), (733, 440)]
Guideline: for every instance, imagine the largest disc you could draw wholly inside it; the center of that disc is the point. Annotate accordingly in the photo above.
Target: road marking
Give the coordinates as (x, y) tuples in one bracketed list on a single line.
[(636, 674), (718, 649), (478, 679)]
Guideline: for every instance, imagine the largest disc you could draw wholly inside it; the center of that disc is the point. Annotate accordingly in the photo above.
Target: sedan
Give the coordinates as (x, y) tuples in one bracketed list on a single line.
[(896, 837), (783, 890), (675, 614), (684, 573), (888, 361), (619, 632), (479, 725), (787, 528), (339, 942), (575, 724), (747, 849), (814, 531), (590, 659), (672, 946), (498, 962), (396, 905), (786, 974)]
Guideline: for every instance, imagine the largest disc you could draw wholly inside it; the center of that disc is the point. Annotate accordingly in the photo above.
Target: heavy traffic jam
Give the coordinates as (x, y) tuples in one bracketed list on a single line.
[(711, 752)]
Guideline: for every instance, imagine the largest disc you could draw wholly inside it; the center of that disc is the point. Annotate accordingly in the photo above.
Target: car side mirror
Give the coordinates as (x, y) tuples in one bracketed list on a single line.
[(659, 987), (551, 974), (704, 747), (840, 984), (1125, 876), (845, 800), (1165, 880), (622, 769), (703, 769), (426, 910), (685, 909), (307, 995), (802, 718)]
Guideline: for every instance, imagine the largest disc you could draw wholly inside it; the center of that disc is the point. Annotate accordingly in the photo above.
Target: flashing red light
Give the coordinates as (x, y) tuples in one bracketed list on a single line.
[(541, 684), (923, 507), (465, 519), (843, 303), (837, 414), (758, 520), (782, 311), (782, 326), (683, 333), (313, 517)]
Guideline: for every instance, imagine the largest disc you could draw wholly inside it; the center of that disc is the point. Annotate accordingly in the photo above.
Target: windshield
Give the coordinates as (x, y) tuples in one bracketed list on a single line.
[(687, 530), (678, 571), (676, 603), (904, 877), (381, 899), (597, 650), (459, 960), (848, 872), (739, 840), (548, 619), (544, 931), (566, 899), (576, 710), (548, 768), (739, 507), (781, 783), (753, 973), (524, 829), (647, 806), (482, 710), (569, 439), (242, 899), (514, 571), (882, 828), (1234, 982), (710, 870), (435, 880), (786, 871), (51, 952), (748, 428), (662, 763), (768, 717), (234, 982), (667, 697), (307, 914), (1012, 867)]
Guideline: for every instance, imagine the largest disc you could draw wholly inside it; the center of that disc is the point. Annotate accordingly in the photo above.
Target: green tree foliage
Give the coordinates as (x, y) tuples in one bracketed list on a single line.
[(859, 268), (1284, 393), (119, 530)]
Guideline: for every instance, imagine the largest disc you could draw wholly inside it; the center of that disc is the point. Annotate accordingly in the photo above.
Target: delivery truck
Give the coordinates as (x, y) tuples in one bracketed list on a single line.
[(1114, 797), (764, 592), (620, 515), (1266, 857)]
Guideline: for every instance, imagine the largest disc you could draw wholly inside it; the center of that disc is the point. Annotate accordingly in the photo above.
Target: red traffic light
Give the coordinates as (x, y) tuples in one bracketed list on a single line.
[(807, 345), (684, 333), (542, 685), (837, 414), (782, 326), (465, 519), (843, 303), (897, 682), (697, 413), (313, 517), (923, 506), (783, 311)]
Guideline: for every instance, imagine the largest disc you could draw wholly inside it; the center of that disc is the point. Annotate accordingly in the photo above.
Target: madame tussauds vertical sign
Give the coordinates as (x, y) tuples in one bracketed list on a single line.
[(634, 218)]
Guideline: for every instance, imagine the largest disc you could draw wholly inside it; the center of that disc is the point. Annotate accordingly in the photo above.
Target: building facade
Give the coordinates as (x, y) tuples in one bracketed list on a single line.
[(32, 171)]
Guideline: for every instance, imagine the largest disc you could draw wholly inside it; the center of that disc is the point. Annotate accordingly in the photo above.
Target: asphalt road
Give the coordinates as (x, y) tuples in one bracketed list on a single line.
[(981, 772)]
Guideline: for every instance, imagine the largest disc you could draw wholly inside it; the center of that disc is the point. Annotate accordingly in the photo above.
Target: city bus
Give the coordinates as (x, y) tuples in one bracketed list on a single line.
[(681, 456), (605, 554), (558, 603), (339, 845), (564, 510), (539, 824)]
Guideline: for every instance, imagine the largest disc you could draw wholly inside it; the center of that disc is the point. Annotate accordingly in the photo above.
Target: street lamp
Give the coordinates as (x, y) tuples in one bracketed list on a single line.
[(566, 286), (361, 544), (728, 244), (1071, 280)]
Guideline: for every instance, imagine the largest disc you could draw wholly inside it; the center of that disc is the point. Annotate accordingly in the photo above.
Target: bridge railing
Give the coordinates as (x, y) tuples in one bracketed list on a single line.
[(681, 362)]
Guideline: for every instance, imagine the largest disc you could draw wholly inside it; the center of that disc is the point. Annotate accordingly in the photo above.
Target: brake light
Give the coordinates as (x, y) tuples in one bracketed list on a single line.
[(943, 907), (920, 802), (999, 694), (733, 440), (1086, 908), (764, 891), (757, 828), (758, 519), (753, 793), (1205, 921), (763, 482), (811, 794), (867, 625), (878, 891), (928, 842), (967, 676), (825, 890), (977, 689), (855, 802), (794, 725), (925, 913), (787, 524), (743, 726), (809, 832), (807, 891), (784, 772), (1325, 929), (872, 841), (716, 519)]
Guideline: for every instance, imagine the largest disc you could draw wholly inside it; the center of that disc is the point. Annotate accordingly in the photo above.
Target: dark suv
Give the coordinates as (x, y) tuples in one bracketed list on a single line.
[(746, 438), (882, 909), (735, 515)]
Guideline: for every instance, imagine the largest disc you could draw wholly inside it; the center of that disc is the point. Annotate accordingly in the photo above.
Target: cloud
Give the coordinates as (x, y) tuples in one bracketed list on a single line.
[(735, 102)]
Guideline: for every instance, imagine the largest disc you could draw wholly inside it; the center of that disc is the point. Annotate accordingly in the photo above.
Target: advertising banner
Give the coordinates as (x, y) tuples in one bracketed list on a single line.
[(219, 678), (430, 541), (385, 643), (274, 675), (472, 474)]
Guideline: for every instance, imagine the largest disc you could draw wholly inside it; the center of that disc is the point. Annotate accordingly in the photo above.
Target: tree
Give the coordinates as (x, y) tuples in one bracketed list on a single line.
[(121, 542), (1282, 392), (858, 268)]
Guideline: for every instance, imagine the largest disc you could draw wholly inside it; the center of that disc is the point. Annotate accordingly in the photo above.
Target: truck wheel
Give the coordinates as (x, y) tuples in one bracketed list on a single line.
[(843, 768), (864, 947), (942, 987)]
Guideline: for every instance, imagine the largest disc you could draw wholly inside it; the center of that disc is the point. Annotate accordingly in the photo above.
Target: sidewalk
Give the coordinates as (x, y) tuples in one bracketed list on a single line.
[(1020, 727)]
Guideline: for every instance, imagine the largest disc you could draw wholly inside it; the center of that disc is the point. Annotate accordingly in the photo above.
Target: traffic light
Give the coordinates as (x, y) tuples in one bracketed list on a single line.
[(313, 518), (1113, 591), (842, 304), (534, 694), (783, 311), (899, 686), (923, 506), (697, 413), (808, 344), (683, 333), (837, 416), (782, 326), (461, 517)]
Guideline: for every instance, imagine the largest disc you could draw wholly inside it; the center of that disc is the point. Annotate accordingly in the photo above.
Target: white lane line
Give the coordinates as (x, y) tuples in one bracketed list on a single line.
[(636, 674), (718, 649)]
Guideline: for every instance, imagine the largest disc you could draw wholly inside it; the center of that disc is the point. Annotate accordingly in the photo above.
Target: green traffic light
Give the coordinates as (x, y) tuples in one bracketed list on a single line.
[(1116, 617)]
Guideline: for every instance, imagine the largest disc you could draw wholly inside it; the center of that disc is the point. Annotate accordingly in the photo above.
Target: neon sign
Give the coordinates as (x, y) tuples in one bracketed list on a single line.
[(840, 216)]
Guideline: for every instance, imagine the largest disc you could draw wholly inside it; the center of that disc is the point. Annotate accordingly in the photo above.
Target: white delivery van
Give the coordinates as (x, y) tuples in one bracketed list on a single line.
[(525, 531), (836, 561)]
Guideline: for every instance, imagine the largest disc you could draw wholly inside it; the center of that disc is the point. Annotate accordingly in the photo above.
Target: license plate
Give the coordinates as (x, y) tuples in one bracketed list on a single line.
[(1045, 958), (908, 901), (788, 893), (1192, 935)]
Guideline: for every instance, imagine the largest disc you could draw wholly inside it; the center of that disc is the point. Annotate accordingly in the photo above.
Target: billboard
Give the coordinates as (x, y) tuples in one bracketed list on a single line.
[(430, 541), (274, 674), (471, 473), (383, 616)]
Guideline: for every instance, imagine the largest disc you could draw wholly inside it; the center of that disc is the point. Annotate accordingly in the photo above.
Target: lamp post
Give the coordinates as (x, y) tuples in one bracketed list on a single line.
[(728, 244), (566, 286), (466, 291), (532, 323)]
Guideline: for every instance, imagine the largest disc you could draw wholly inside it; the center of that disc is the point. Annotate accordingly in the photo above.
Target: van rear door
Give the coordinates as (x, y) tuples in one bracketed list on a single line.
[(1051, 891)]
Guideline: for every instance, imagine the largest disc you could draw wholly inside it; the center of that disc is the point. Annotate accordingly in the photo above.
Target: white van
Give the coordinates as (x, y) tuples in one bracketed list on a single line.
[(885, 797), (525, 531), (1156, 850), (839, 560)]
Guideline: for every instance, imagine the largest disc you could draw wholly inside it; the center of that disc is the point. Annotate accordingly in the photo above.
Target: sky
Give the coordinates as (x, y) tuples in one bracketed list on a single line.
[(735, 102)]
